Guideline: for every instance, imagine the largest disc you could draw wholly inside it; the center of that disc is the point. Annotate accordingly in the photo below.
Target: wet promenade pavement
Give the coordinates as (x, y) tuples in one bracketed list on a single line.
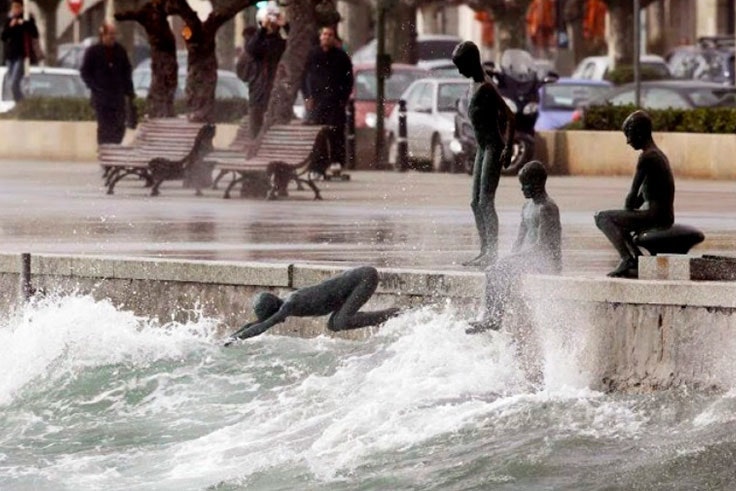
[(411, 220)]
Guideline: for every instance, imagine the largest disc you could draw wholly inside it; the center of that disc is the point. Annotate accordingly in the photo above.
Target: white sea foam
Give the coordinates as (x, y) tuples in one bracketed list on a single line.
[(324, 405), (62, 334)]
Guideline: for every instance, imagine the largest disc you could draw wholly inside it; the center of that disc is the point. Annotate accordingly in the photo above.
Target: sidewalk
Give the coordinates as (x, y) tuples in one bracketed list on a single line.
[(411, 220)]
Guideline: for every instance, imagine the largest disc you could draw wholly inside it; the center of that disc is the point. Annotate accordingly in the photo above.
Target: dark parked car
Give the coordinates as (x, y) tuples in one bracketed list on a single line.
[(668, 94), (429, 47), (712, 59), (675, 94), (229, 86)]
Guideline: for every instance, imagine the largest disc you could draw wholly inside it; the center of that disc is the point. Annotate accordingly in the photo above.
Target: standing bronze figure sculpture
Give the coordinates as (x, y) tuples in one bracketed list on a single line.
[(493, 124), (650, 201)]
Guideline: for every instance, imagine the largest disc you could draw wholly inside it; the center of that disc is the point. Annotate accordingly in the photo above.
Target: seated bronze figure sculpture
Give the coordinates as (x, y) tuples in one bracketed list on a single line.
[(341, 296), (648, 215), (537, 248)]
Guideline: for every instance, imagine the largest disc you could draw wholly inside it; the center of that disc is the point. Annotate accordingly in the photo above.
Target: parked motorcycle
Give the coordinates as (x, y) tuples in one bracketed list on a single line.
[(518, 82)]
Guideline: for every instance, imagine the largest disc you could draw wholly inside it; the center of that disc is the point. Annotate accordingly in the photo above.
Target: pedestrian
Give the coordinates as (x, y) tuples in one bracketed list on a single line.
[(17, 35), (265, 49), (327, 86), (106, 71)]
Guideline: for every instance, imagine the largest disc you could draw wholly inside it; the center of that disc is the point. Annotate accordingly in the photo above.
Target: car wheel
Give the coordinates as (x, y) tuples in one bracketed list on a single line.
[(523, 153), (437, 157)]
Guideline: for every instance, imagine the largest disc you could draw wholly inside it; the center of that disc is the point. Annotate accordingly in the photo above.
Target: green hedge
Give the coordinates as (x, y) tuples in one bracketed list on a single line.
[(701, 120), (73, 109)]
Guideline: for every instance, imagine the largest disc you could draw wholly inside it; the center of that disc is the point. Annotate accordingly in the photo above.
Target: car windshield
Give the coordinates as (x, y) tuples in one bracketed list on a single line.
[(365, 84), (54, 85), (559, 96), (449, 94), (657, 69)]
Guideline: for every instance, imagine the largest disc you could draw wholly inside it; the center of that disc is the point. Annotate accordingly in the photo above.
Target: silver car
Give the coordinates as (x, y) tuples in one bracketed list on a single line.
[(430, 120)]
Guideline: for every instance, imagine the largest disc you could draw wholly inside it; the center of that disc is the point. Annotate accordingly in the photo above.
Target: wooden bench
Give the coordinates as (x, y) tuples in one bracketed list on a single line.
[(169, 138), (241, 145), (283, 155)]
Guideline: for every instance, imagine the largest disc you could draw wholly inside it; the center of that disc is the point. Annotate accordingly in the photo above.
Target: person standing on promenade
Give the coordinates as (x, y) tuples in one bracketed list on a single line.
[(17, 35), (493, 124), (265, 49), (650, 201), (327, 86), (106, 71)]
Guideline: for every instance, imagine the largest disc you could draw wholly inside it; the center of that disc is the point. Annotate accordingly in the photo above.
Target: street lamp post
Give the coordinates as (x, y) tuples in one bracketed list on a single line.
[(637, 53), (383, 71)]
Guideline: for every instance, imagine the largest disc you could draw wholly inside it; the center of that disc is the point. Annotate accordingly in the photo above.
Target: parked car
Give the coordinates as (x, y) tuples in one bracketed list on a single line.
[(442, 68), (666, 94), (558, 101), (429, 47), (431, 104), (70, 55), (597, 67), (228, 84), (712, 59), (364, 94), (43, 82)]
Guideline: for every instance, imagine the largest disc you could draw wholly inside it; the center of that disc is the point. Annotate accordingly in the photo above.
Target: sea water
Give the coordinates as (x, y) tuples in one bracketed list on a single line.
[(96, 398)]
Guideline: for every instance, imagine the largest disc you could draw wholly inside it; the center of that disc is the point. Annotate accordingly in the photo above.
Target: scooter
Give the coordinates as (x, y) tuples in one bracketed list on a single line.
[(518, 82)]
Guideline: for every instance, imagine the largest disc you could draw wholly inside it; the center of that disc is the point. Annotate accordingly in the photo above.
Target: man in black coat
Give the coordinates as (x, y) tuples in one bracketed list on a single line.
[(106, 71), (17, 34), (327, 87), (265, 48)]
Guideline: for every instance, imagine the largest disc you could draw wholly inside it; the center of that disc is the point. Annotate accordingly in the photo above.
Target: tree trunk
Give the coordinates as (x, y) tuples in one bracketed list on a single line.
[(621, 41), (201, 52), (48, 10), (401, 30), (152, 16), (291, 67), (573, 13)]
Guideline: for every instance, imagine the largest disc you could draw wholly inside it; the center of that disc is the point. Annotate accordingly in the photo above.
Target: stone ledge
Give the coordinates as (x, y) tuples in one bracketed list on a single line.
[(709, 294)]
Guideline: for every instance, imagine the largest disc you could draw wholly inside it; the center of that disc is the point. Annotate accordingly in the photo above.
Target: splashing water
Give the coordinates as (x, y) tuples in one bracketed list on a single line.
[(93, 397)]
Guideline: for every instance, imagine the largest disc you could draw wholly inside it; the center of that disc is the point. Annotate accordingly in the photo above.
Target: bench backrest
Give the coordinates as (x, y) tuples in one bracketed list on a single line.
[(289, 141)]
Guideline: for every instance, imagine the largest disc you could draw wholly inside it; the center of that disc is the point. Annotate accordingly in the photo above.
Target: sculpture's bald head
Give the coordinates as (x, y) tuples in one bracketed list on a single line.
[(265, 305), (638, 129), (466, 57), (533, 178)]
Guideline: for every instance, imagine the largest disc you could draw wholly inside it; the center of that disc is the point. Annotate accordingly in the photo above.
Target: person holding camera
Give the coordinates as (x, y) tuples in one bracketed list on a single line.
[(265, 49), (327, 85), (106, 71), (17, 35)]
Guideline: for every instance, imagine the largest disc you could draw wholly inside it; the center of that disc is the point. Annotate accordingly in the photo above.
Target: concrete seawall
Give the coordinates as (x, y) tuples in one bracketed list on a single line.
[(623, 335)]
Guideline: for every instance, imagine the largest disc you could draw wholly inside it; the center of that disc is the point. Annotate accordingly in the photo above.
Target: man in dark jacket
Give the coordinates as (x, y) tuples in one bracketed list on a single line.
[(17, 34), (106, 71), (265, 49), (327, 87)]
